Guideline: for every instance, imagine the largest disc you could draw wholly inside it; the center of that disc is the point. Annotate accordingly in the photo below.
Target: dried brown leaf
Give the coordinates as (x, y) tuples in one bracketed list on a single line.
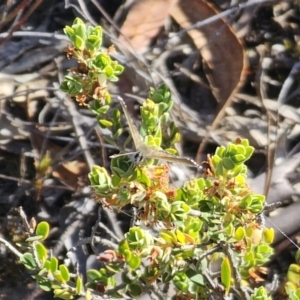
[(221, 50), (144, 20)]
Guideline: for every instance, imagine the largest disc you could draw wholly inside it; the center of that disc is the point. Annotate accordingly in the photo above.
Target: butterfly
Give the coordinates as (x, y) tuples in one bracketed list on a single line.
[(144, 151)]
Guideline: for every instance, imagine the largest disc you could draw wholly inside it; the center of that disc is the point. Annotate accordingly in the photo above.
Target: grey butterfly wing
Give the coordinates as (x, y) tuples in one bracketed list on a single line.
[(137, 140), (162, 155)]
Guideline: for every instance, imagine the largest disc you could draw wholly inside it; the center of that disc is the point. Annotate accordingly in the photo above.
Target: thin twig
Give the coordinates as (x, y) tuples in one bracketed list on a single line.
[(109, 232), (86, 13), (265, 64), (30, 10), (35, 34), (11, 247)]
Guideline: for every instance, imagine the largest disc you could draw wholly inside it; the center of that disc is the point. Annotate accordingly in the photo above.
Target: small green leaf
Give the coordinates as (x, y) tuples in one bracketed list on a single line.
[(34, 238), (134, 290), (53, 264), (243, 142), (43, 283), (226, 274), (297, 256), (180, 237), (249, 257), (269, 235), (205, 206), (290, 288), (181, 281), (43, 230), (47, 265), (79, 285), (41, 252), (238, 158), (105, 123), (293, 274), (249, 152), (231, 149), (113, 78), (78, 42), (69, 32), (122, 166), (57, 275), (64, 272), (80, 30), (239, 233), (118, 69), (240, 149), (116, 180), (195, 277), (157, 98), (260, 294), (219, 169), (62, 294), (298, 293), (28, 261), (93, 275), (171, 151), (44, 163), (134, 262), (93, 43), (103, 109), (97, 31), (88, 295), (108, 71), (220, 151), (237, 170), (227, 163), (77, 21)]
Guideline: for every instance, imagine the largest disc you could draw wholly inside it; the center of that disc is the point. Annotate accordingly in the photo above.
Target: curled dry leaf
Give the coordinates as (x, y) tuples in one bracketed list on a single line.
[(221, 50), (144, 20)]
